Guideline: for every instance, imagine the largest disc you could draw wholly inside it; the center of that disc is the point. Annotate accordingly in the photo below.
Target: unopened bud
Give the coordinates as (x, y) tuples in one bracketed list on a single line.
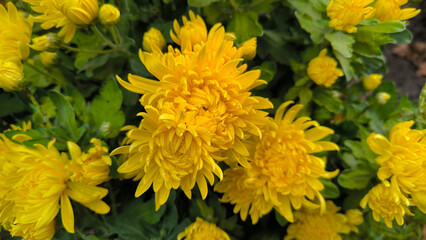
[(48, 58), (383, 97), (153, 39), (48, 42), (249, 48), (81, 12), (372, 82), (109, 14)]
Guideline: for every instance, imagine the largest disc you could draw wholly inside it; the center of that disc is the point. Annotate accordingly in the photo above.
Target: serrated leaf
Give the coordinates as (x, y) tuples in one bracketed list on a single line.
[(326, 99), (65, 114), (245, 26), (200, 3), (330, 189), (341, 42)]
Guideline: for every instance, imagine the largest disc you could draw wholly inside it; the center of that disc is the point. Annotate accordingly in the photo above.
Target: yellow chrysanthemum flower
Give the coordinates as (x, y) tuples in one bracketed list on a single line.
[(66, 14), (387, 10), (153, 39), (38, 182), (48, 42), (11, 75), (323, 70), (200, 107), (246, 188), (15, 34), (402, 160), (372, 81), (201, 229), (346, 14), (311, 224), (388, 202), (48, 59), (109, 14), (249, 48), (284, 169)]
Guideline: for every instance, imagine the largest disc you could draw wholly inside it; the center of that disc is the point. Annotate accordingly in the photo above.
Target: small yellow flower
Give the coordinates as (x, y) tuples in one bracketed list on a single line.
[(372, 82), (346, 14), (382, 97), (153, 39), (11, 75), (48, 58), (201, 229), (109, 14), (323, 70), (192, 32), (387, 202), (249, 48), (48, 42), (387, 10), (355, 218), (311, 224), (66, 14), (284, 171)]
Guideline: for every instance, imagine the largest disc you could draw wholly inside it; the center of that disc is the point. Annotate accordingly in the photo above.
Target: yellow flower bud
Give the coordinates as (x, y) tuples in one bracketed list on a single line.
[(372, 82), (48, 42), (249, 48), (48, 58), (153, 39), (81, 12), (109, 14), (10, 75), (323, 70), (382, 97)]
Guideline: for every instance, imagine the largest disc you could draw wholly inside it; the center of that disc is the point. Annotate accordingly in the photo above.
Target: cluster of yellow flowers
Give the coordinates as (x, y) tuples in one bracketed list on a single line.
[(38, 181), (346, 14), (13, 46), (402, 171), (196, 114)]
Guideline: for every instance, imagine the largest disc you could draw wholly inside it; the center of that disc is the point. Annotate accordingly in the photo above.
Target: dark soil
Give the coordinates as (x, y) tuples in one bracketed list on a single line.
[(402, 71)]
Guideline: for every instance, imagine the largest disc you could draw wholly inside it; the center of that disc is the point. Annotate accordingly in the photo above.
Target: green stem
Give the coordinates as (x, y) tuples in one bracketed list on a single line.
[(116, 35), (33, 100), (99, 33), (73, 49)]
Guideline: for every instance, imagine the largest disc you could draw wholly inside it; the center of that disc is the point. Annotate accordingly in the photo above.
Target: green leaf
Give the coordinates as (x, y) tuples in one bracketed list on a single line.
[(341, 42), (330, 189), (326, 99), (65, 115), (305, 96), (206, 211), (354, 179), (367, 49), (200, 3), (280, 219), (77, 100), (349, 160), (86, 42), (403, 37), (384, 27), (345, 63), (10, 104), (422, 101), (245, 26)]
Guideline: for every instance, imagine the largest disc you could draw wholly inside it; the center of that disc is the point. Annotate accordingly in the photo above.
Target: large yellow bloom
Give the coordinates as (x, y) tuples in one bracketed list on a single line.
[(11, 75), (284, 170), (37, 182), (323, 70), (391, 10), (402, 160), (387, 202), (65, 14), (15, 34), (311, 224), (200, 107), (201, 229), (346, 14)]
